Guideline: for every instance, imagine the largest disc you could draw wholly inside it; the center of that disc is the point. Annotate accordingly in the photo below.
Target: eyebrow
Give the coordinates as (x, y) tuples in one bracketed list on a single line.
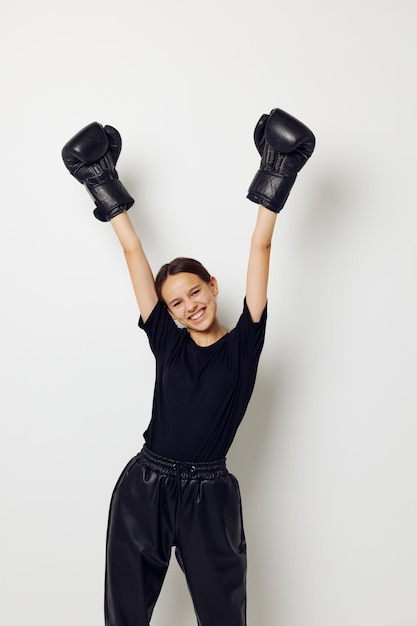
[(179, 298)]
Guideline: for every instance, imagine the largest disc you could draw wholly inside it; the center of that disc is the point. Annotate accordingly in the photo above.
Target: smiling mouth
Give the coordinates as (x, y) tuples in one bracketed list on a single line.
[(197, 315)]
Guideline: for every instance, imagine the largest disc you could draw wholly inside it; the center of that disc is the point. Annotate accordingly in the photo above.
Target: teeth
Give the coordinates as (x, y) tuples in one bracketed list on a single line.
[(197, 315)]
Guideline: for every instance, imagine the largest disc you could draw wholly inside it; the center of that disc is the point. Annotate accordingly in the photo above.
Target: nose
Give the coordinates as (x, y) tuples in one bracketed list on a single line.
[(191, 305)]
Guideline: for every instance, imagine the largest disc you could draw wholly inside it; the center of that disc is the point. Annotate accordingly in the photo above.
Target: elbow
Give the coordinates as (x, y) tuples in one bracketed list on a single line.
[(261, 244), (132, 248)]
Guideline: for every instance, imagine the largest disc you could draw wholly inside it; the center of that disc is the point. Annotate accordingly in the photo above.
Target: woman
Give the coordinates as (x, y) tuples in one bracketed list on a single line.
[(177, 491)]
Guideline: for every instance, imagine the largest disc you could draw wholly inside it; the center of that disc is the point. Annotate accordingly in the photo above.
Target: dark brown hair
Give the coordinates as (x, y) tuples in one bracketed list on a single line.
[(177, 266)]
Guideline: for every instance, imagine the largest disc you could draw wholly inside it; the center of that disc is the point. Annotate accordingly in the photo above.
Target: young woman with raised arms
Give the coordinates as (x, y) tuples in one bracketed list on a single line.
[(177, 490)]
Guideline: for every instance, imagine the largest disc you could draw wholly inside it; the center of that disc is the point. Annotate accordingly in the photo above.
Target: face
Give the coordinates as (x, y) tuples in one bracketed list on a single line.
[(191, 301)]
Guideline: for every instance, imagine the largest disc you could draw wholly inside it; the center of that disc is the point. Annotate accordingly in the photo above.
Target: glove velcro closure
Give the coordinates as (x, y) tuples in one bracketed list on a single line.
[(270, 189), (111, 198)]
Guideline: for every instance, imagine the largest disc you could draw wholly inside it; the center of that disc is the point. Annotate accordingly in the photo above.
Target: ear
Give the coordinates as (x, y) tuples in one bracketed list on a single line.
[(214, 286)]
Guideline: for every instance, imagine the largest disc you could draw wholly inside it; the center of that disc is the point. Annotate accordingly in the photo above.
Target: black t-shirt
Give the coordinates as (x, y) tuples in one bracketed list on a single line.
[(201, 393)]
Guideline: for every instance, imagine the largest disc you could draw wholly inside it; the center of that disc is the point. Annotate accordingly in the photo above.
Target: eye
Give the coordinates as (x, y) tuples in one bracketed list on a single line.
[(175, 304), (195, 292)]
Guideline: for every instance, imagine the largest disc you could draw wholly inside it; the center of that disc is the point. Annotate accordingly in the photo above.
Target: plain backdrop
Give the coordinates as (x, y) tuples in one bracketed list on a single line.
[(326, 454)]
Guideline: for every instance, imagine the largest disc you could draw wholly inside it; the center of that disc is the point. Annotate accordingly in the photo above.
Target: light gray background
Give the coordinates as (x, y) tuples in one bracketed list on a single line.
[(326, 454)]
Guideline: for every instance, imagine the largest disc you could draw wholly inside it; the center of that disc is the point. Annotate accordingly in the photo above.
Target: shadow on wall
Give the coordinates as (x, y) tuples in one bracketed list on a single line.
[(319, 237), (334, 209), (254, 432), (313, 252), (250, 460)]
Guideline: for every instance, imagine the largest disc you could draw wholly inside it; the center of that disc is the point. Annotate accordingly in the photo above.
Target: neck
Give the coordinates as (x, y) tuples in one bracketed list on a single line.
[(208, 337)]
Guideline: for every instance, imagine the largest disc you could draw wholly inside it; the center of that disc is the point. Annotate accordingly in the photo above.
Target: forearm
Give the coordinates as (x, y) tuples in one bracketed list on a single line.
[(264, 229), (258, 265), (125, 233), (139, 269)]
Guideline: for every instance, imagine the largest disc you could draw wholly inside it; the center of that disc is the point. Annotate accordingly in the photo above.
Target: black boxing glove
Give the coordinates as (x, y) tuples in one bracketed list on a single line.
[(91, 157), (286, 145)]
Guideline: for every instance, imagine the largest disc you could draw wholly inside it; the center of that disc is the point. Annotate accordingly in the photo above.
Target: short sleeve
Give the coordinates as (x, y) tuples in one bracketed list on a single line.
[(160, 328), (251, 334)]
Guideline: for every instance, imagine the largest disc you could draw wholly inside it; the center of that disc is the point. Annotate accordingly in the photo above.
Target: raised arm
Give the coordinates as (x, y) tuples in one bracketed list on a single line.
[(258, 265), (140, 272), (91, 157), (285, 145)]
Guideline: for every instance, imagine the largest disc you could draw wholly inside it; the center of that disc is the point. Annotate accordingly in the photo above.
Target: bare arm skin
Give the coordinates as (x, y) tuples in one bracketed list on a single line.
[(258, 265), (143, 279), (139, 269)]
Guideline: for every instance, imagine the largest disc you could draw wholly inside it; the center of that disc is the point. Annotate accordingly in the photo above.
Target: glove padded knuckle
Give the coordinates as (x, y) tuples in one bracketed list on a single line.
[(285, 133), (89, 144)]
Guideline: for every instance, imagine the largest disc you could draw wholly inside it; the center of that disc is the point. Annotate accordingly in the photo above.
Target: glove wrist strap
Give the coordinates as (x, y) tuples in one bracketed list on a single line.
[(270, 189), (111, 198)]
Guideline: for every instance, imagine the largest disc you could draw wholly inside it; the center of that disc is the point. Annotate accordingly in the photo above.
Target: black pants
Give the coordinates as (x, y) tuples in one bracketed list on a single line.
[(157, 504)]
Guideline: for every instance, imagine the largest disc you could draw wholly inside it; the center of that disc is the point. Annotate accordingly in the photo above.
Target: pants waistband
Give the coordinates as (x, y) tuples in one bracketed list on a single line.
[(183, 469)]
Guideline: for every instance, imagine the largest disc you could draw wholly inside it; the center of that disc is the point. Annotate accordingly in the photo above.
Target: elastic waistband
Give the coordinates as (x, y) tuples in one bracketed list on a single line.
[(184, 469)]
